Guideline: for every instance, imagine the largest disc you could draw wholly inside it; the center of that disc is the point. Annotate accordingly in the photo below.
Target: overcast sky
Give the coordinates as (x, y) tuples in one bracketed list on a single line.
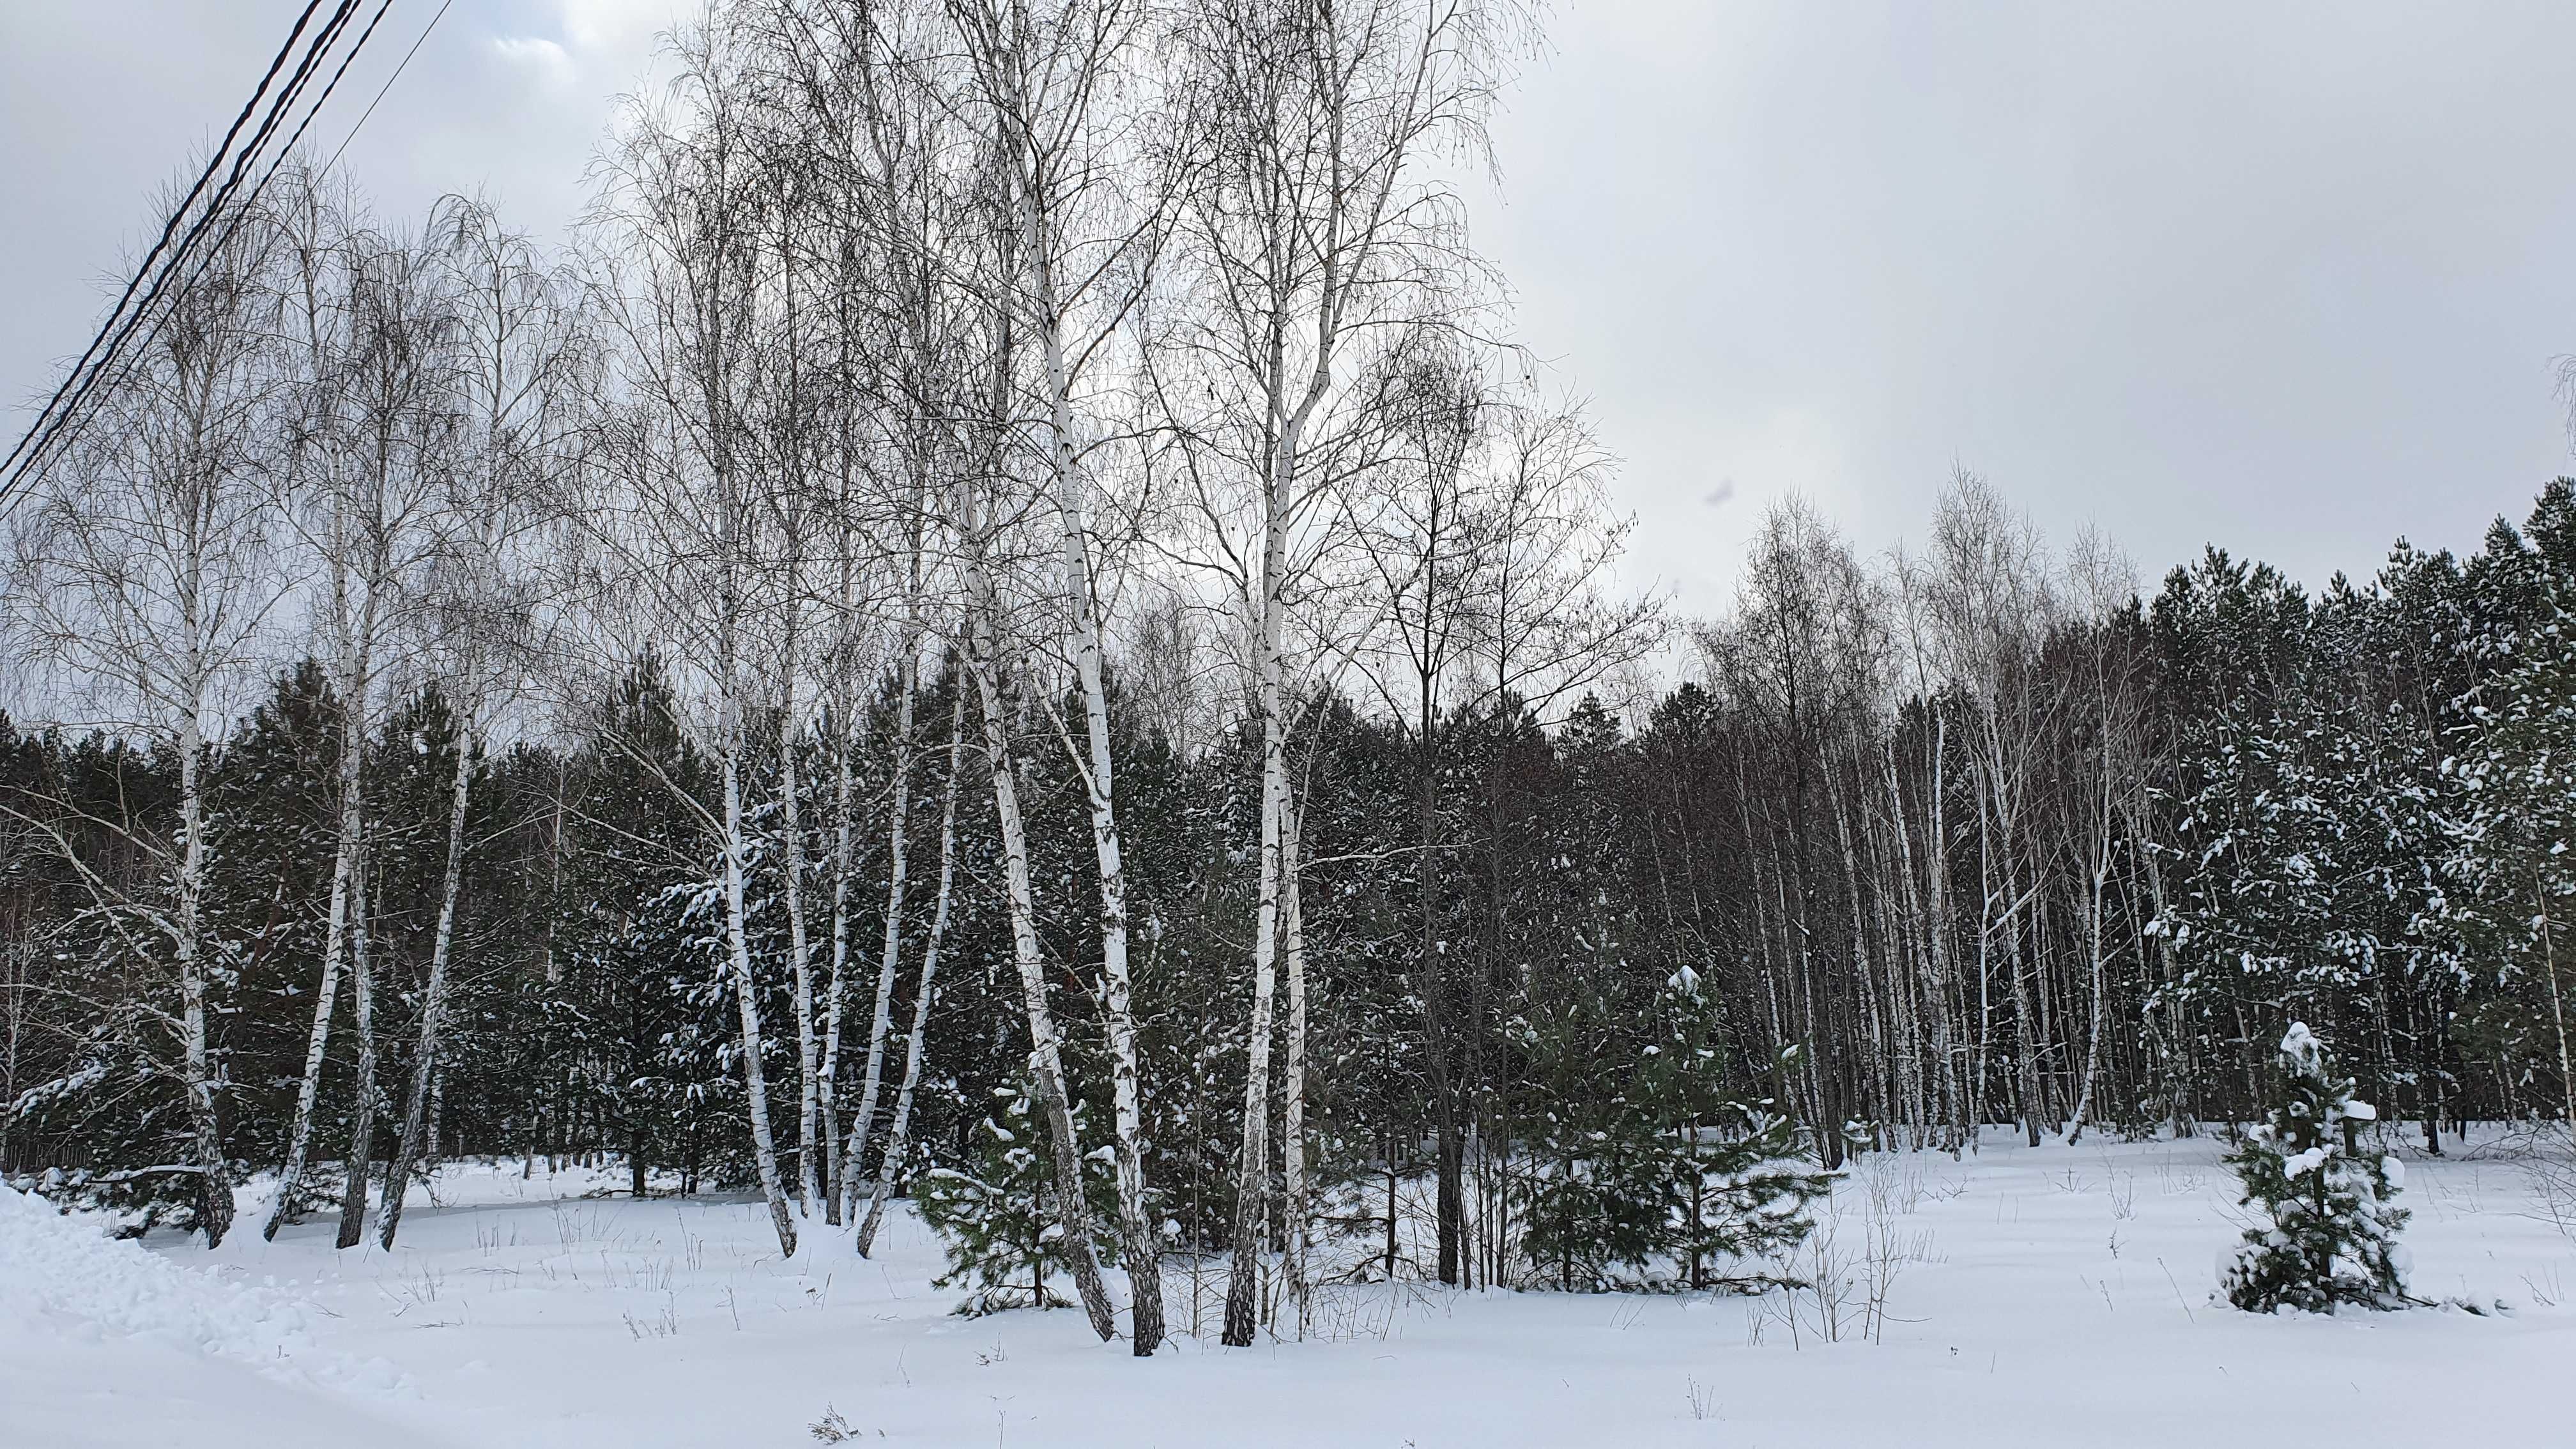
[(2291, 278)]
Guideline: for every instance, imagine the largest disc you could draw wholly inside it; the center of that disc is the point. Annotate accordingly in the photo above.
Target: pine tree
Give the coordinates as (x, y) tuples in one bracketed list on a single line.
[(1595, 1214), (2326, 1231), (2510, 851), (998, 1217), (1654, 1174), (1742, 1173)]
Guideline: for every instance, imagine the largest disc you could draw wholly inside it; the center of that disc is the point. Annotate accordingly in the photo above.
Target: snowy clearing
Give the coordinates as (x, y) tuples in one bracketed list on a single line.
[(2046, 1296)]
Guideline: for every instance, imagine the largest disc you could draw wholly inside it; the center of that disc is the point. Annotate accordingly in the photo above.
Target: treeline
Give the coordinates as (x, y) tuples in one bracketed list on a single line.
[(2235, 804), (1005, 580)]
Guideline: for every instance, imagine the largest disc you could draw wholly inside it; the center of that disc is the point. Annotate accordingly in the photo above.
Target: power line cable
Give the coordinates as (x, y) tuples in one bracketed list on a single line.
[(399, 67), (69, 419), (177, 214), (70, 415), (287, 96)]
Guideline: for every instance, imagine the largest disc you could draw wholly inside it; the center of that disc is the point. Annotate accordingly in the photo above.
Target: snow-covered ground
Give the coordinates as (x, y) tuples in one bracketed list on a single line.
[(2039, 1296)]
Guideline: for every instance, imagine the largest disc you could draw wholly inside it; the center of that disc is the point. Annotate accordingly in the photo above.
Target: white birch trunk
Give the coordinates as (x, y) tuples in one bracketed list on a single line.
[(1252, 1166), (800, 961), (917, 1045), (362, 1112), (417, 1126), (881, 1018), (1958, 1097), (1046, 1064), (845, 745), (755, 1080), (344, 864), (1292, 1145), (845, 740), (215, 1213), (2095, 951), (1138, 1247)]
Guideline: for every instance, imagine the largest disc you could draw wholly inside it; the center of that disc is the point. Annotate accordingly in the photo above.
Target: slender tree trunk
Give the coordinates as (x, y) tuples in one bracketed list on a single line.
[(215, 1183), (1917, 919), (418, 1131), (1961, 1099), (1448, 1167), (845, 744), (2095, 952), (1046, 1062), (890, 950), (809, 1165), (1872, 1075), (362, 1114), (1252, 1168), (344, 869), (2026, 1022), (755, 1080), (2176, 1068), (1292, 1138), (917, 1045), (1138, 1247)]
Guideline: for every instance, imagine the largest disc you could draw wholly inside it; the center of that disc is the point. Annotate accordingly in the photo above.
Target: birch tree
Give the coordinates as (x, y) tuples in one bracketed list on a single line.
[(987, 659), (2110, 808), (681, 528), (1080, 216), (1317, 234), (916, 1050), (1991, 600), (143, 574), (519, 377), (375, 430)]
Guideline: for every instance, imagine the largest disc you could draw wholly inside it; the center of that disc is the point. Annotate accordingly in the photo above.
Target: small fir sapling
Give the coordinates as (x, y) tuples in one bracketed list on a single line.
[(2326, 1224), (998, 1221)]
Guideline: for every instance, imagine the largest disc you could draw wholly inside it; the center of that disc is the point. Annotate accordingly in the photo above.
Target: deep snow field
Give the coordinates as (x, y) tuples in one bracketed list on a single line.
[(2056, 1296)]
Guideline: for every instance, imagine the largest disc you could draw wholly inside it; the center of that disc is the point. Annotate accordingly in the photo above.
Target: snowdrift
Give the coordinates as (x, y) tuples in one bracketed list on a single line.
[(62, 1277)]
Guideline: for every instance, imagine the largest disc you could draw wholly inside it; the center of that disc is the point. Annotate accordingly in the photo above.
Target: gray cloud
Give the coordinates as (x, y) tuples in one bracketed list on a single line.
[(2290, 278)]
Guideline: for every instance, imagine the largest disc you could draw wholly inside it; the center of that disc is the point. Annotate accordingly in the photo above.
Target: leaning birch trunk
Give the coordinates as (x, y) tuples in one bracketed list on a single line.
[(417, 1127), (299, 1140), (1046, 1061), (1292, 1134), (215, 1184), (917, 1045), (755, 1082), (344, 868), (792, 866), (1138, 1248), (881, 1020), (362, 1116), (853, 1156)]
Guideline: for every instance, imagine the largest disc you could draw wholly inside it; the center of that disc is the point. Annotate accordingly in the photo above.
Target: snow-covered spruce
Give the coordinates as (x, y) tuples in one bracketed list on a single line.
[(2327, 1224)]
